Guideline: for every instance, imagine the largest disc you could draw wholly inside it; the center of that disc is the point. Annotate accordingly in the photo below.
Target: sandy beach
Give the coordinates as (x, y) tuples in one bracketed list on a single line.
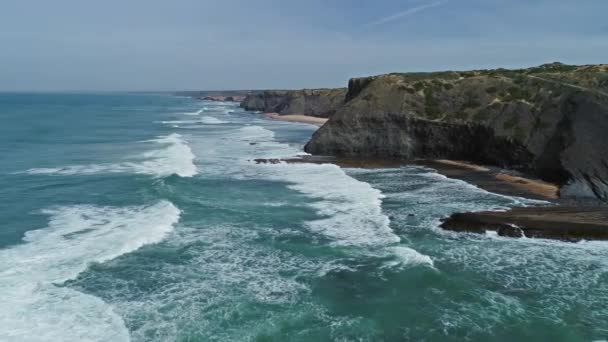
[(297, 118), (485, 177)]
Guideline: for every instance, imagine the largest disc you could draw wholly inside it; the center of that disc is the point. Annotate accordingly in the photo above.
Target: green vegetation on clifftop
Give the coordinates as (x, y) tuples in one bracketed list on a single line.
[(555, 115)]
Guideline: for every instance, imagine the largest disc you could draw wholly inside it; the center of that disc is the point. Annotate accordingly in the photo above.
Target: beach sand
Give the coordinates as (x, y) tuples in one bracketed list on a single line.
[(496, 180), (297, 118), (548, 190)]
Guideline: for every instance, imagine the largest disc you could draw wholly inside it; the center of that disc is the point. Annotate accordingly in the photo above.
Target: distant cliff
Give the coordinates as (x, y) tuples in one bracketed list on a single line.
[(216, 95), (314, 102), (551, 121)]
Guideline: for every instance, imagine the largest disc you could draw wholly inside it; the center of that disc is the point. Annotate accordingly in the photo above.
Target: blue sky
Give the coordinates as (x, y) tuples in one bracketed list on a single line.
[(255, 44)]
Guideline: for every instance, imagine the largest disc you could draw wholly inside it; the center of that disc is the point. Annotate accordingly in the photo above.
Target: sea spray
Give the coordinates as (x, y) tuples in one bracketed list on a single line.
[(173, 157), (35, 305)]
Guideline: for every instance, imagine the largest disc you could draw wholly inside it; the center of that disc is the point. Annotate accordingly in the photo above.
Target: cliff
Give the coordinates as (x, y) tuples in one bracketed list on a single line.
[(216, 95), (550, 121), (314, 102), (221, 98)]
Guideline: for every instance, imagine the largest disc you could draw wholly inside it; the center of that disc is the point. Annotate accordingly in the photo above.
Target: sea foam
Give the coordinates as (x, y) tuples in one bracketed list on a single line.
[(350, 211), (206, 120), (173, 157), (408, 257), (35, 305)]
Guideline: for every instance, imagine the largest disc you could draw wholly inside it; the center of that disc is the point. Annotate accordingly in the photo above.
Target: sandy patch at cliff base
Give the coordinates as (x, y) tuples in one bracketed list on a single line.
[(535, 186), (538, 187), (297, 118), (463, 165)]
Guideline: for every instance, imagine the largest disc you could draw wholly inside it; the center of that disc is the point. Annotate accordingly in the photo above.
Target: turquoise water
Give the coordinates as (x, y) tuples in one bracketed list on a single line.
[(141, 217)]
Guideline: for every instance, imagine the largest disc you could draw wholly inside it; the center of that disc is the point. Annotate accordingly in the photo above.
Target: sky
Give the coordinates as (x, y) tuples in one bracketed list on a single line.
[(162, 45)]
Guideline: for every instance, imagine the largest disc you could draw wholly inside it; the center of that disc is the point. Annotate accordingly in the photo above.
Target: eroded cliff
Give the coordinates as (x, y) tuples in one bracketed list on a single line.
[(551, 121), (321, 103)]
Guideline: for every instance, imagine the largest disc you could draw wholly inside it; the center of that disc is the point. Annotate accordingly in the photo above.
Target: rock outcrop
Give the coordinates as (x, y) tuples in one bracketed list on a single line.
[(569, 223), (221, 98), (550, 121), (216, 95), (321, 103)]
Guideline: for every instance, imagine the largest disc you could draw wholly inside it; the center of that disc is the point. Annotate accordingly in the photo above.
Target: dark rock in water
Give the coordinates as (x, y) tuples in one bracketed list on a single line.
[(550, 121), (222, 98), (468, 222), (296, 160), (568, 223), (510, 231), (267, 161), (314, 102)]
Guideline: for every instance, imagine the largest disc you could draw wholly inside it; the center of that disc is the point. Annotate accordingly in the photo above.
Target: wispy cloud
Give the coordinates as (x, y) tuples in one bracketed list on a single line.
[(405, 13)]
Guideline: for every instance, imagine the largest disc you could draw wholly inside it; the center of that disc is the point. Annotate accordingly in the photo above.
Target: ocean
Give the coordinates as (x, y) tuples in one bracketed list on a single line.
[(142, 217)]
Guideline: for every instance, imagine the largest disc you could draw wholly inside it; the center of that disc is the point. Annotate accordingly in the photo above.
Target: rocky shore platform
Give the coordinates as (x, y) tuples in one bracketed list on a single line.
[(561, 219), (561, 222)]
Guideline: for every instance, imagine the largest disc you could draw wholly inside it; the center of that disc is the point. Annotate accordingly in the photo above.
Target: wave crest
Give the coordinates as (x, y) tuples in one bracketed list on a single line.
[(175, 157), (34, 308)]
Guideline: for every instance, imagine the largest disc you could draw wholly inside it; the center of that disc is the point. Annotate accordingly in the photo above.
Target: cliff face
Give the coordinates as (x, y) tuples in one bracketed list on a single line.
[(314, 102), (551, 121)]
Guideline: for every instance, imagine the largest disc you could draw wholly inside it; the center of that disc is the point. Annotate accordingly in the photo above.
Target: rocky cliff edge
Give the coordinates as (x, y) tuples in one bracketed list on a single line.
[(321, 103), (550, 121)]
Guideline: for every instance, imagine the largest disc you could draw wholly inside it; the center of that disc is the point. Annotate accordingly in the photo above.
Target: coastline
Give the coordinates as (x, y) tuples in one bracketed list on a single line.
[(492, 179), (301, 118), (488, 178), (566, 220), (559, 219)]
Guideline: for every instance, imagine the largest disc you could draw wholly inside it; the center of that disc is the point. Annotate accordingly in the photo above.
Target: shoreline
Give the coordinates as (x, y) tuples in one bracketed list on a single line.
[(492, 179), (562, 219), (488, 178), (301, 118)]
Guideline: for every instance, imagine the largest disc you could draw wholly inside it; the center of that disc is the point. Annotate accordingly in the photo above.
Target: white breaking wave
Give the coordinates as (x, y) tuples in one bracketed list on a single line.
[(34, 305), (207, 120), (351, 210), (230, 152), (175, 157), (198, 112), (257, 134), (408, 257)]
